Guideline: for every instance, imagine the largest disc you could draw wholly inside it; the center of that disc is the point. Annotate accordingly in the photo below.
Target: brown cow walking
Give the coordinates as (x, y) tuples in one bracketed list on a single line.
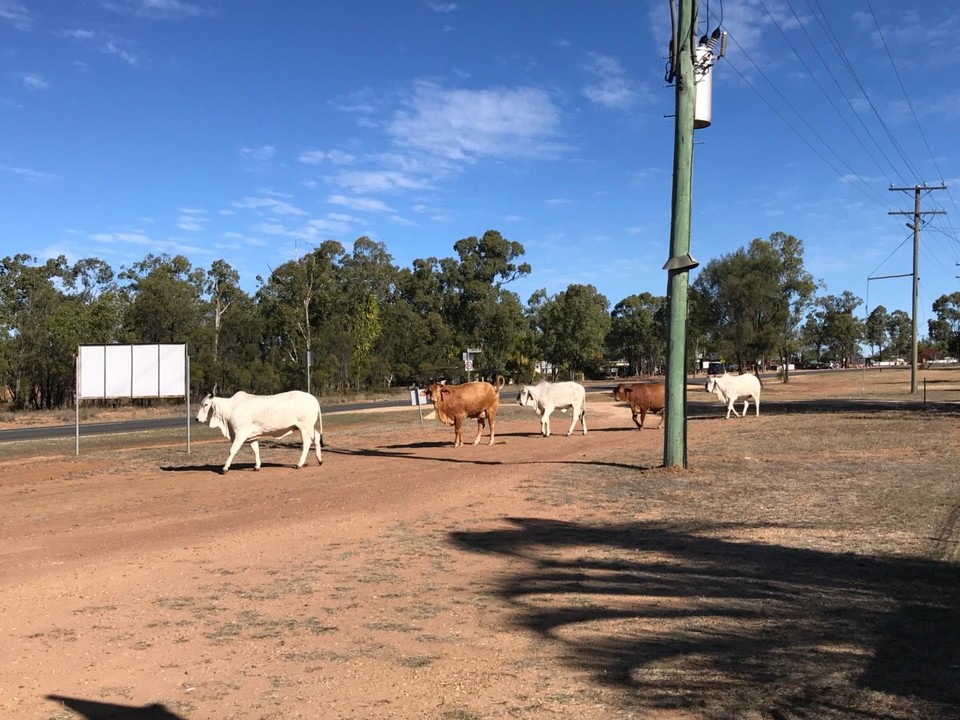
[(643, 398), (455, 403)]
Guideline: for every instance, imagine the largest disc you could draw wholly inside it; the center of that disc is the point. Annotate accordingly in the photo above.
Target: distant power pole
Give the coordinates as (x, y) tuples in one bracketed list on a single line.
[(915, 226)]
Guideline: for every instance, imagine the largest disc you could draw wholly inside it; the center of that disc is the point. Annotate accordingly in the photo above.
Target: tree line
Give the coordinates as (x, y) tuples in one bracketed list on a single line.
[(369, 324)]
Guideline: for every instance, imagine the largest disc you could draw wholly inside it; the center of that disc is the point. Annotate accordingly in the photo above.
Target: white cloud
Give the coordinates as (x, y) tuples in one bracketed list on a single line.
[(33, 81), (359, 204), (318, 157), (16, 14), (610, 87), (160, 9), (261, 152), (36, 176), (379, 181), (442, 7), (277, 207), (467, 124)]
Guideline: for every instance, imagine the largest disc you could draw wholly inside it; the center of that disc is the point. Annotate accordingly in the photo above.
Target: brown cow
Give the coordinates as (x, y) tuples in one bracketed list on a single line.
[(455, 403), (643, 398)]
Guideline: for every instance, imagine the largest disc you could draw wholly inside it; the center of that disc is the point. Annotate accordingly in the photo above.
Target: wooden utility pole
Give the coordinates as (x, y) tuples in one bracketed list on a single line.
[(915, 226), (680, 263)]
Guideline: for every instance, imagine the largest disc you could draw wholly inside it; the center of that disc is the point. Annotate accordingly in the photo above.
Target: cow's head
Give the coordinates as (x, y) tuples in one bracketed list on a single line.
[(711, 384), (523, 397), (206, 407), (620, 393), (433, 392)]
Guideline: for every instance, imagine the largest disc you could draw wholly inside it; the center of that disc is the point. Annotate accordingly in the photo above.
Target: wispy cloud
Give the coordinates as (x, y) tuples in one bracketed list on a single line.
[(32, 81), (442, 7), (260, 153), (359, 204), (106, 43), (373, 181), (464, 125), (191, 219), (16, 13), (610, 86), (160, 9), (271, 205), (318, 157), (36, 176)]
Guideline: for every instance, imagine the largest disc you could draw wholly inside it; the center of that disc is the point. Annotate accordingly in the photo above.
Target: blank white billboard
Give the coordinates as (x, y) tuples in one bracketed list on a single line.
[(131, 371)]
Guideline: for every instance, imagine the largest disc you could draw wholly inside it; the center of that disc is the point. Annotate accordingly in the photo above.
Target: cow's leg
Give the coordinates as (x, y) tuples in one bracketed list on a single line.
[(234, 448), (481, 423), (576, 413), (306, 436), (255, 446), (545, 422), (662, 414), (492, 417), (756, 402), (731, 409), (457, 427), (318, 444), (643, 415), (746, 404), (581, 413)]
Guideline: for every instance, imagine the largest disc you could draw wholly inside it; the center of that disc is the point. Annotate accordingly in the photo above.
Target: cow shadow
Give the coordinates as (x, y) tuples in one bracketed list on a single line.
[(95, 710), (677, 619), (217, 468)]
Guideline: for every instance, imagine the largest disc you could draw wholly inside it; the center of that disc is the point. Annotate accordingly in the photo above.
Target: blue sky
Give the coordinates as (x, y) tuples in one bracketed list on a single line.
[(253, 131)]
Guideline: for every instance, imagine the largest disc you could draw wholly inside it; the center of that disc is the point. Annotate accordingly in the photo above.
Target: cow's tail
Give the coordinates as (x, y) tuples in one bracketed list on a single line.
[(318, 435), (760, 379), (500, 382)]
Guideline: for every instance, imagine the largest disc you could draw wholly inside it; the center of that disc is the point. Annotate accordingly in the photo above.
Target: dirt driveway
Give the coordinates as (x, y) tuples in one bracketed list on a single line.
[(782, 575)]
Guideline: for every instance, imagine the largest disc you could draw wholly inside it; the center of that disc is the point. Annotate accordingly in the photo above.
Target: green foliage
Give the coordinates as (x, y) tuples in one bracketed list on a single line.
[(572, 327), (638, 332)]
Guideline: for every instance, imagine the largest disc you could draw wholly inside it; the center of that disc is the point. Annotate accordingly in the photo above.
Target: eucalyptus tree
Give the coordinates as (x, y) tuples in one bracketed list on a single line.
[(572, 327), (900, 333), (757, 297), (164, 300), (417, 335), (366, 281), (838, 328), (297, 297), (481, 310), (875, 329), (945, 329), (638, 332)]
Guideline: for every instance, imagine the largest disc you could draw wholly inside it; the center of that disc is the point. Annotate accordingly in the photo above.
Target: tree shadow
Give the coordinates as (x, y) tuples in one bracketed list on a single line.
[(393, 451), (93, 710), (676, 619)]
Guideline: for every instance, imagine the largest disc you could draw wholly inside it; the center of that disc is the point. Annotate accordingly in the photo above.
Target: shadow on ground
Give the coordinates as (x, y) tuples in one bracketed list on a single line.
[(672, 618), (93, 710)]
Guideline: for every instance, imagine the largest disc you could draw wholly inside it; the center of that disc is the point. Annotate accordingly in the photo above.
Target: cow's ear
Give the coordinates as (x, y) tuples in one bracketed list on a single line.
[(628, 390), (443, 392)]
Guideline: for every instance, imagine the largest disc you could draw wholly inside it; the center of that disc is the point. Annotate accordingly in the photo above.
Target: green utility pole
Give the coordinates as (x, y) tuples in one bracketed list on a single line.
[(680, 263)]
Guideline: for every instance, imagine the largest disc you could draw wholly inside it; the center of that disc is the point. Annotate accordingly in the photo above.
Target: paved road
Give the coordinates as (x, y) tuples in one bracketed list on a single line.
[(46, 432)]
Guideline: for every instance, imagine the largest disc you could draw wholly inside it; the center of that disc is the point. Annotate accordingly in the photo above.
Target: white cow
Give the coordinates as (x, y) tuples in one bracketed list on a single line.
[(546, 397), (729, 388), (248, 418)]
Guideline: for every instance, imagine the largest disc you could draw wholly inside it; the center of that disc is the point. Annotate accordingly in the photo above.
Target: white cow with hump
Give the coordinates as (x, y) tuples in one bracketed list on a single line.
[(245, 418), (729, 388), (546, 397)]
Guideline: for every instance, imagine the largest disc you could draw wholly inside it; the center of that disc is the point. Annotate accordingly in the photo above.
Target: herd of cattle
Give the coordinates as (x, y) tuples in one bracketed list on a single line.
[(245, 418)]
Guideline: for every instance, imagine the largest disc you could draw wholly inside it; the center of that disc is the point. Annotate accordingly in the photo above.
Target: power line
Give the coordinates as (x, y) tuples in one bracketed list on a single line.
[(828, 31)]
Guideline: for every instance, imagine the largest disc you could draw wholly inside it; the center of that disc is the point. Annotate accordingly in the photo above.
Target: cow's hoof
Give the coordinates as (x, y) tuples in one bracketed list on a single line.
[(256, 469), (223, 471)]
